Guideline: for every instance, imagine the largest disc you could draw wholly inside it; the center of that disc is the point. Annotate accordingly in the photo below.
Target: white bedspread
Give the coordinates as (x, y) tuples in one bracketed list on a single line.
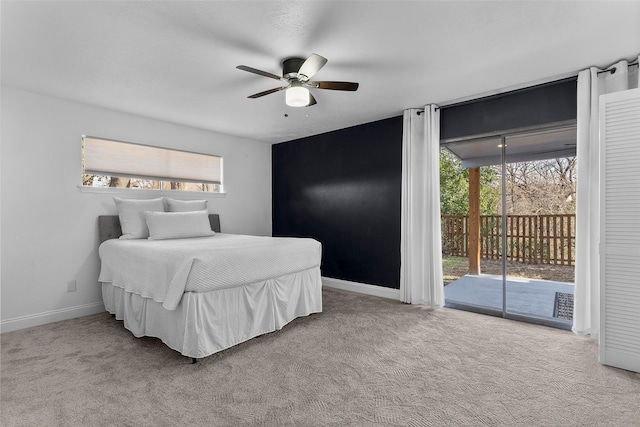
[(164, 269)]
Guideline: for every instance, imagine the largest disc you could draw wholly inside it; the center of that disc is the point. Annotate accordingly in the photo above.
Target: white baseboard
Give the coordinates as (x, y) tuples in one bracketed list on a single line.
[(38, 319), (362, 288)]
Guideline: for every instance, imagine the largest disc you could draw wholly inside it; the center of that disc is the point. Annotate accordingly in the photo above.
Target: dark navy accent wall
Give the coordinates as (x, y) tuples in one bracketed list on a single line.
[(537, 105), (343, 188)]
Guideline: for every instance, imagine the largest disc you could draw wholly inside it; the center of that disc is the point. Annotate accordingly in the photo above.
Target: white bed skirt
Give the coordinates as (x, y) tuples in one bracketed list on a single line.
[(205, 323)]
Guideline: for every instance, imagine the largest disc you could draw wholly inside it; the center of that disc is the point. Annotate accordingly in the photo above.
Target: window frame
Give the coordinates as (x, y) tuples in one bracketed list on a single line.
[(158, 178)]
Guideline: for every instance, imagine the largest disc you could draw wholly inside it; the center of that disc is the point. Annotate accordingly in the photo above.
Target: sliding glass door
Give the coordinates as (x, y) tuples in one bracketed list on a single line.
[(509, 247), (471, 200), (538, 227)]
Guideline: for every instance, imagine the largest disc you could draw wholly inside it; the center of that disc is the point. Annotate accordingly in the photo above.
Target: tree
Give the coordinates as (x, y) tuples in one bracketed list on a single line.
[(543, 187), (489, 190), (454, 187), (117, 181)]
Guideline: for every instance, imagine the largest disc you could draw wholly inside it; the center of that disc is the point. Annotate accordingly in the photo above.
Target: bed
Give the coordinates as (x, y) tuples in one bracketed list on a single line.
[(201, 295)]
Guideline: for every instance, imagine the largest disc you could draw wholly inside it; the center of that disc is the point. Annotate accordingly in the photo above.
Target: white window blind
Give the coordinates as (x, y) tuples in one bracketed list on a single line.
[(115, 158)]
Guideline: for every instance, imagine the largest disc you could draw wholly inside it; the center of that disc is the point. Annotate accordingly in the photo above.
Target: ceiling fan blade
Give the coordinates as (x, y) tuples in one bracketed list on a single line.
[(311, 66), (312, 101), (336, 85), (258, 72), (266, 92)]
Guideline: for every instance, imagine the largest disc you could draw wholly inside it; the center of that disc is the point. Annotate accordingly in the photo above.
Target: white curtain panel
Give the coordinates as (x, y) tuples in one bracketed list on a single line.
[(421, 246), (592, 83)]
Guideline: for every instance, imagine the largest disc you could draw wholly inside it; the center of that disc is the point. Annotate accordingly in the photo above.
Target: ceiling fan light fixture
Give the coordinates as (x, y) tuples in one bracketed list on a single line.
[(297, 96), (296, 73)]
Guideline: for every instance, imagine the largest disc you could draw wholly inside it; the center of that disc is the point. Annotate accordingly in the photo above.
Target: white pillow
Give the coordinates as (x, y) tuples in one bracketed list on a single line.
[(185, 205), (131, 219), (178, 225)]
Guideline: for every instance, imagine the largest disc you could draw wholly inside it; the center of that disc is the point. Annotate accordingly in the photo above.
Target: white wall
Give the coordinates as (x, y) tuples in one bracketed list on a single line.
[(49, 226)]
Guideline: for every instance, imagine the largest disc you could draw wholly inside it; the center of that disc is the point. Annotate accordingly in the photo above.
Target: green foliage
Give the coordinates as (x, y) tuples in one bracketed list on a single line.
[(489, 190), (454, 187), (454, 190)]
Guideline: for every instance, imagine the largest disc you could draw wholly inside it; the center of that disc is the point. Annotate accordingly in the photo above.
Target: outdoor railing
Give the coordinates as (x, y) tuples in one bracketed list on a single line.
[(533, 239)]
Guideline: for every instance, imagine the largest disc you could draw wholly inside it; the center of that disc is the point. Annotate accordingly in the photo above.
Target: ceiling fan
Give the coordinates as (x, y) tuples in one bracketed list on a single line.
[(296, 74)]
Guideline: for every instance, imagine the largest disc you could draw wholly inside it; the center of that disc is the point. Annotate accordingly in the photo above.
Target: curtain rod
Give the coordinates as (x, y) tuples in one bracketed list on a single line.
[(422, 111), (612, 70)]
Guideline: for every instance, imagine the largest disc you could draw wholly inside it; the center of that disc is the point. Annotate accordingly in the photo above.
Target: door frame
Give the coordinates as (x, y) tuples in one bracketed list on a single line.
[(529, 318)]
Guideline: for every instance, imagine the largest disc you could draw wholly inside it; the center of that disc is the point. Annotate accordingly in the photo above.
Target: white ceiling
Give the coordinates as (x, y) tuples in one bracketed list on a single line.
[(176, 61)]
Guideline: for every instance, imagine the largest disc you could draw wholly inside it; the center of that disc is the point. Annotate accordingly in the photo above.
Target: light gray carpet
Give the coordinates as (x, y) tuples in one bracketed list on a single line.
[(363, 361)]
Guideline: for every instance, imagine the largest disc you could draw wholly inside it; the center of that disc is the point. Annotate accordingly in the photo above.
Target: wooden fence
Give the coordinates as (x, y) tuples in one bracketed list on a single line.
[(533, 239)]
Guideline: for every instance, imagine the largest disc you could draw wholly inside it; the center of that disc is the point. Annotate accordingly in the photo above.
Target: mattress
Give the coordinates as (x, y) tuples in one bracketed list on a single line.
[(163, 270)]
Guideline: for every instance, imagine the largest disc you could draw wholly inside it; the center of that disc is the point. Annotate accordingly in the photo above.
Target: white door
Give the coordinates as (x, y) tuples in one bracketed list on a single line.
[(620, 230)]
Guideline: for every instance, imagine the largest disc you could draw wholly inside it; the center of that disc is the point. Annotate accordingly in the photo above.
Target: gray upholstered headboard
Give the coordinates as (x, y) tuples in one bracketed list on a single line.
[(109, 226)]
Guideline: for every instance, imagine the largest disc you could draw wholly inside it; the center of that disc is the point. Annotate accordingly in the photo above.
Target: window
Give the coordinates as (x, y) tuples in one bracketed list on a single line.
[(108, 163)]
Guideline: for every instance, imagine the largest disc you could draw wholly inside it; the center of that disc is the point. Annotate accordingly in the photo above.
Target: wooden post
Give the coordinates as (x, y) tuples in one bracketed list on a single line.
[(474, 221)]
